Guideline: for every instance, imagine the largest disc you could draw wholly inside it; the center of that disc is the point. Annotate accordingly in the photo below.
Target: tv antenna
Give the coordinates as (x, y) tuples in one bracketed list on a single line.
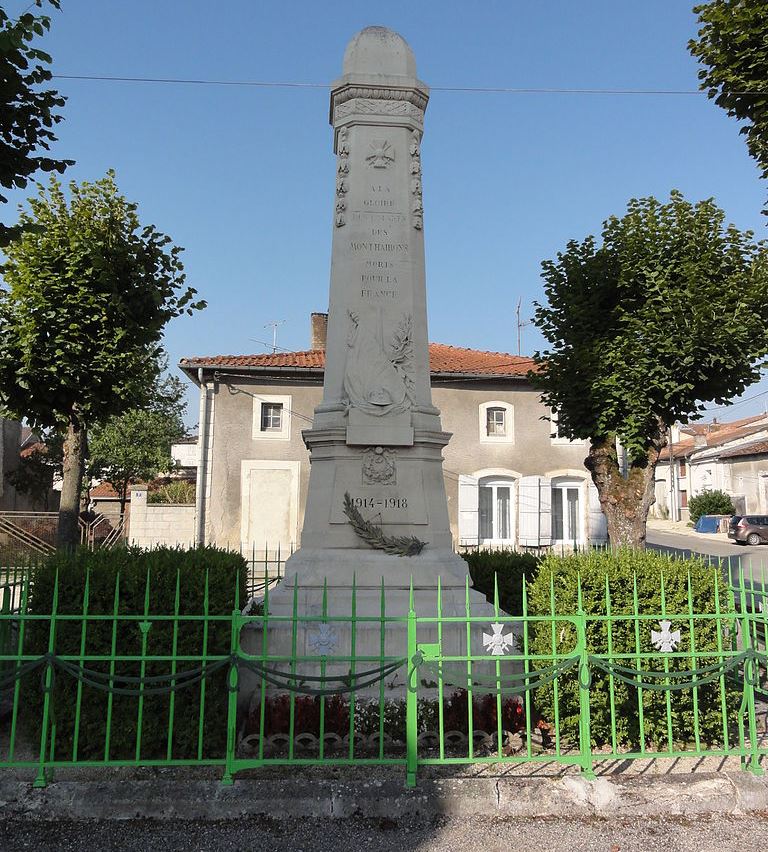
[(273, 324), (520, 326)]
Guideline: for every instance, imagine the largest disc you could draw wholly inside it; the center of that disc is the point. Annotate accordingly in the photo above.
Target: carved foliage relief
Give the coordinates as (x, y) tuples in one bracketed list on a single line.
[(342, 174), (417, 208)]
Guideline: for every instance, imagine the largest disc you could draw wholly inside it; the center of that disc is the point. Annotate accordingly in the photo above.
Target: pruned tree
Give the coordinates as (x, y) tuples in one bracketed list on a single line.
[(136, 446), (669, 312), (28, 113), (88, 293), (733, 47)]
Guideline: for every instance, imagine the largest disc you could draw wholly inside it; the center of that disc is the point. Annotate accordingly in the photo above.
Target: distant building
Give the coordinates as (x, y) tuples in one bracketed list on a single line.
[(717, 456), (10, 445)]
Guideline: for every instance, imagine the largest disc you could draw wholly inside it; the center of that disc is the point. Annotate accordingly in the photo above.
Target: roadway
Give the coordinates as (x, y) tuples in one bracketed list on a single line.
[(752, 560)]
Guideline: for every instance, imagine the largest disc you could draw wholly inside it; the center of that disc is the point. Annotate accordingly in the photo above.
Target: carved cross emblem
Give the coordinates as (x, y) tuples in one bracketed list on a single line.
[(381, 155), (323, 640), (665, 639), (498, 641)]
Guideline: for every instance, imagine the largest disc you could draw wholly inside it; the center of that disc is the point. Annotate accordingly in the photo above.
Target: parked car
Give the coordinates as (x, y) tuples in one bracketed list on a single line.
[(749, 529)]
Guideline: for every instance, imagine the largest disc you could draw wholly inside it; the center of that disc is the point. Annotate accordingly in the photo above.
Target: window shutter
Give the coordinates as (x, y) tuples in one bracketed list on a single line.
[(534, 498), (468, 510), (598, 526)]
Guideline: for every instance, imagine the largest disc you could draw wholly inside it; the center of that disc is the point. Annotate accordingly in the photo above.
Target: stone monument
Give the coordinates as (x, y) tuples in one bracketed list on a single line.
[(376, 441)]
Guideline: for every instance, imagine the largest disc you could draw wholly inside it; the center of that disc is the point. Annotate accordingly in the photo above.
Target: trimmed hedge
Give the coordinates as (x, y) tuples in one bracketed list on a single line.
[(619, 569), (226, 578), (511, 567)]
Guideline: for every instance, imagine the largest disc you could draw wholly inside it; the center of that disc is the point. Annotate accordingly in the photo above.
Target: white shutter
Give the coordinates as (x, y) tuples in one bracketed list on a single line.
[(468, 510), (534, 499), (598, 526)]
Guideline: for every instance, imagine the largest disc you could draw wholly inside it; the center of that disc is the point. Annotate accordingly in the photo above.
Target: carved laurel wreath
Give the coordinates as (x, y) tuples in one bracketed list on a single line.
[(402, 545)]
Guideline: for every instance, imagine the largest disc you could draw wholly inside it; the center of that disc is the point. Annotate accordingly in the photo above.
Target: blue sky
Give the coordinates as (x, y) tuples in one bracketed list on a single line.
[(243, 177)]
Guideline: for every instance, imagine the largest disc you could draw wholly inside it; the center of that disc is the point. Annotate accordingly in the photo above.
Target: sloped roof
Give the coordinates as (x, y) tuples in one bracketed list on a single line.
[(756, 448), (714, 426), (724, 435), (443, 359)]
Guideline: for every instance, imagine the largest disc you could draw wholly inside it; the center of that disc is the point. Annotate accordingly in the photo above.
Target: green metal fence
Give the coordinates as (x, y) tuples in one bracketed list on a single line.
[(244, 689)]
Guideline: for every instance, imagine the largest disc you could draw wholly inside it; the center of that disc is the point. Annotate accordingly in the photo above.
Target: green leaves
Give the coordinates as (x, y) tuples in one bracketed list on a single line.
[(27, 114), (88, 294), (733, 45), (669, 312)]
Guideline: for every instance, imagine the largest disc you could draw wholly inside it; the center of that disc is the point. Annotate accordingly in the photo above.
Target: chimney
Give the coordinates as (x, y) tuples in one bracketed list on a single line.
[(318, 331)]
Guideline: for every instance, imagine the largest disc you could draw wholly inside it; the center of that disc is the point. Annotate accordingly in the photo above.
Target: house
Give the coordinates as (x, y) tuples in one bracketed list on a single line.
[(510, 479), (717, 456), (10, 443)]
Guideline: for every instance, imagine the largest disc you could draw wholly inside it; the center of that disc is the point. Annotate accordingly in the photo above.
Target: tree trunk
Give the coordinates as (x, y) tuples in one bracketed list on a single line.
[(68, 534), (625, 502)]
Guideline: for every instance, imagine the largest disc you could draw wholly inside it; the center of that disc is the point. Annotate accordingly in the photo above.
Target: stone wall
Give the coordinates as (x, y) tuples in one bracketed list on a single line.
[(156, 524)]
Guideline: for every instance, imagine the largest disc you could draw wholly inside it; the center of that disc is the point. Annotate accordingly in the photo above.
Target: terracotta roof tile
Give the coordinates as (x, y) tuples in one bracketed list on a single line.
[(725, 434), (442, 359), (756, 448), (711, 428)]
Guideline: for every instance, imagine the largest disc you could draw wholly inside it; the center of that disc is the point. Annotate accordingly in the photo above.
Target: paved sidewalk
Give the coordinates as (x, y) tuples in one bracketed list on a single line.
[(670, 834)]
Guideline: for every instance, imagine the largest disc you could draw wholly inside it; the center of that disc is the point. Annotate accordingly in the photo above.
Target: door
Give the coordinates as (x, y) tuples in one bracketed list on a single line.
[(270, 494)]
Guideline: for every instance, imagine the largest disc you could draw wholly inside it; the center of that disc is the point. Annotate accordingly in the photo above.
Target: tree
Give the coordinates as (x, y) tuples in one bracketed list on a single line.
[(27, 114), (136, 445), (88, 294), (670, 312), (733, 44)]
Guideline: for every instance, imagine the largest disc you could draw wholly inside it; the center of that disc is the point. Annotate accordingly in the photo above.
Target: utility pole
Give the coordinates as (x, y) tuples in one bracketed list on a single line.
[(273, 324), (672, 489)]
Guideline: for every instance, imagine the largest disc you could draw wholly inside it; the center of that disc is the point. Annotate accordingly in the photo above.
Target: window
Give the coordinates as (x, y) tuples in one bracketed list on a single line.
[(271, 416), (566, 512), (495, 424), (495, 510), (681, 468)]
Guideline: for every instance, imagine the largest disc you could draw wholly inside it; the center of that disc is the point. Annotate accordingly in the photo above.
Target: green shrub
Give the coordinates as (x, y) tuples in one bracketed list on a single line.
[(618, 570), (510, 567), (710, 503), (181, 492), (226, 574)]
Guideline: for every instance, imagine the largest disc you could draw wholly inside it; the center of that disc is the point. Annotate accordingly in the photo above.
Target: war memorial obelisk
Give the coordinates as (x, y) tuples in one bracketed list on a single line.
[(376, 435)]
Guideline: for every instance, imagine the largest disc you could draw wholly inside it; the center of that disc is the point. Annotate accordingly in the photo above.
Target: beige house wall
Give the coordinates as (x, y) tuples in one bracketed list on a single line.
[(235, 445), (749, 477)]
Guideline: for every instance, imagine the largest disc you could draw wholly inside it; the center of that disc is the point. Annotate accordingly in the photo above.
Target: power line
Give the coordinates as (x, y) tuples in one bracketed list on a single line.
[(284, 84), (736, 404)]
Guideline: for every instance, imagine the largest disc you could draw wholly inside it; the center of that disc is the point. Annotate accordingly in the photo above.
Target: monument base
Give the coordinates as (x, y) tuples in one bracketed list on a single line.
[(379, 629), (368, 570)]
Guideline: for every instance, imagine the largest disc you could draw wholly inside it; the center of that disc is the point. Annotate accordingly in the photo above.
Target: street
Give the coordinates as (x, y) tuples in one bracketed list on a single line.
[(753, 561)]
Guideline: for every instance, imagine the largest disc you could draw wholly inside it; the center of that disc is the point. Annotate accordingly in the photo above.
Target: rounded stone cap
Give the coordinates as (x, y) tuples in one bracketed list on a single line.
[(378, 50)]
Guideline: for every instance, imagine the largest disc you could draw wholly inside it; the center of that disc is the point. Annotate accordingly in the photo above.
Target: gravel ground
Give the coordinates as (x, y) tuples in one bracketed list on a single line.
[(743, 834)]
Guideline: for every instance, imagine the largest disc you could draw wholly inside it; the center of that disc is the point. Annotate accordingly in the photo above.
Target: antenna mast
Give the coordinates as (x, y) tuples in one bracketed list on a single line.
[(273, 324)]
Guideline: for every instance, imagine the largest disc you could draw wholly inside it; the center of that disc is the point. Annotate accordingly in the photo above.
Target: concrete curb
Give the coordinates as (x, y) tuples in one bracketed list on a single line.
[(569, 796)]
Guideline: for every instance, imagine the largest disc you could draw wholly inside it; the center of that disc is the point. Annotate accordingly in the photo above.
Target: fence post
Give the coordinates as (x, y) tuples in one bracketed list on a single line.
[(585, 681), (46, 740), (411, 700), (232, 685), (751, 680)]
